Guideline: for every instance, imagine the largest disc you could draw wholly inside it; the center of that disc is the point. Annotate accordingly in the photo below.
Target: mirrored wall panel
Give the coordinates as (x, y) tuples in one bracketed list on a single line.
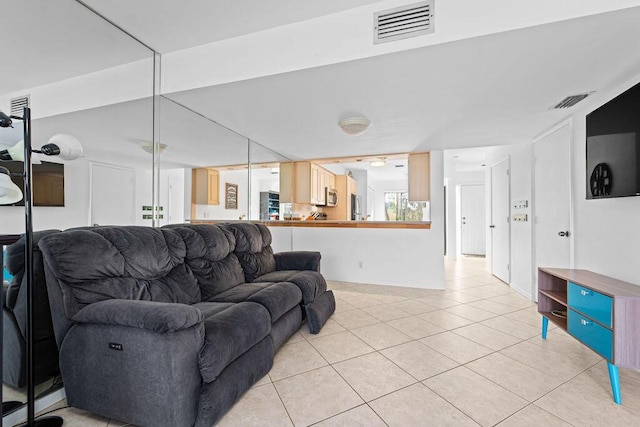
[(87, 80), (204, 174)]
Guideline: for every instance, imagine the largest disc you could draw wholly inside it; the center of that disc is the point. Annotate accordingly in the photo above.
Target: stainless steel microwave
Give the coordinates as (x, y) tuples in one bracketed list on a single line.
[(331, 197)]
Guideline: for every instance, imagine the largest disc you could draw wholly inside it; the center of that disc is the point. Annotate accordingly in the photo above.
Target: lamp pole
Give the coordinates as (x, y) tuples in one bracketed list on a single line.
[(52, 421)]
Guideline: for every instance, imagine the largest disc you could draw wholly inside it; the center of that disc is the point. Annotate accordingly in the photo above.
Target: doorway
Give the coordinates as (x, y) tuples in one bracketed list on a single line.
[(472, 220), (500, 223), (112, 195), (175, 202), (552, 200)]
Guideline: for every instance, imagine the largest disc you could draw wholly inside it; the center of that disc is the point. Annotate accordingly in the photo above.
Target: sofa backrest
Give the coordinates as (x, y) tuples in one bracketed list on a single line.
[(253, 248), (127, 262), (17, 292), (210, 257)]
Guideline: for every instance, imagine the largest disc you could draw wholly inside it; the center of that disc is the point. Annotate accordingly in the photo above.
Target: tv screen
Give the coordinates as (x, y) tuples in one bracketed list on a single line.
[(47, 183), (613, 147)]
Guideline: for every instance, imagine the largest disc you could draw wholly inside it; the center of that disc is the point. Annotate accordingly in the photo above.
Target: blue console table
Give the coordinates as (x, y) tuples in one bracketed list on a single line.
[(602, 313)]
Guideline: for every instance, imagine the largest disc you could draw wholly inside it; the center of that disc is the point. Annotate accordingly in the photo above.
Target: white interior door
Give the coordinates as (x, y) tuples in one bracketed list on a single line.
[(500, 224), (112, 195), (552, 200), (472, 220), (175, 208)]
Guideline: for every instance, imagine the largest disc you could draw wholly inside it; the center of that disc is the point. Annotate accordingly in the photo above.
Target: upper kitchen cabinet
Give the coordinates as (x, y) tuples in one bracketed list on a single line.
[(206, 186), (286, 182), (308, 182), (419, 177)]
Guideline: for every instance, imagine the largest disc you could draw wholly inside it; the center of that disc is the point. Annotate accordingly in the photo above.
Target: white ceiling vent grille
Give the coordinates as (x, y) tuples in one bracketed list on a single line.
[(403, 22), (570, 101), (18, 104)]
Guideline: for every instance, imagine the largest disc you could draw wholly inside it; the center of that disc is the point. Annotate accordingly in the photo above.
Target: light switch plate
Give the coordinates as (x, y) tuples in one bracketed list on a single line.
[(520, 218)]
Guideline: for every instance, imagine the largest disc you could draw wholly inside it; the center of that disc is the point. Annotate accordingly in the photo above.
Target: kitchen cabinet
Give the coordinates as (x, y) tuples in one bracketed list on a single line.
[(309, 183), (286, 182), (419, 166), (205, 186)]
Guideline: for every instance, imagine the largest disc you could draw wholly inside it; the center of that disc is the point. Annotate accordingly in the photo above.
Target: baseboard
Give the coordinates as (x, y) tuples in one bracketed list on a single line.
[(20, 415), (527, 295)]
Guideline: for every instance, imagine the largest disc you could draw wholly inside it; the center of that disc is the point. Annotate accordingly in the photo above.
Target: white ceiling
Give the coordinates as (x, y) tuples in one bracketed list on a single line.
[(167, 25), (482, 91), (465, 160), (490, 90), (393, 170), (48, 41)]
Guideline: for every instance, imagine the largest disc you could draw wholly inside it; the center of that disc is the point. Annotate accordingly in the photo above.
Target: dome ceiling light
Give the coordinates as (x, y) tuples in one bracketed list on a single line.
[(355, 125)]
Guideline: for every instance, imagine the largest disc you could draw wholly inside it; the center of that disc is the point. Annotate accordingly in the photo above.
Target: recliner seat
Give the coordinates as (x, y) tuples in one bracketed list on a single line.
[(302, 268)]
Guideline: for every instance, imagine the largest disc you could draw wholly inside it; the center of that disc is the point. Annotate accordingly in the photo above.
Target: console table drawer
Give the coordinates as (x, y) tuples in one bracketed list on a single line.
[(591, 303), (595, 336)]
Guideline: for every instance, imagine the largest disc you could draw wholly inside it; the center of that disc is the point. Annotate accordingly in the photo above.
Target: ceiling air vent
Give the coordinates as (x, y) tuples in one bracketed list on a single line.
[(403, 22), (570, 101), (18, 104)]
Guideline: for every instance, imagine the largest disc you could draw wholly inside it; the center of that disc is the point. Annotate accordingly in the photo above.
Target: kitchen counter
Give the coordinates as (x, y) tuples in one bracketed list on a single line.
[(333, 224)]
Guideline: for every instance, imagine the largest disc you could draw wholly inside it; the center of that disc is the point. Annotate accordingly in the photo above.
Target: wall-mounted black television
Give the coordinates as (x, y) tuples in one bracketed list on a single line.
[(613, 147), (48, 182)]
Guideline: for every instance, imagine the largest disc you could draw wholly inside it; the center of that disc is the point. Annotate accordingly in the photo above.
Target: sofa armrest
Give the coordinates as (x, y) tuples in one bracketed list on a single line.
[(153, 316), (298, 260)]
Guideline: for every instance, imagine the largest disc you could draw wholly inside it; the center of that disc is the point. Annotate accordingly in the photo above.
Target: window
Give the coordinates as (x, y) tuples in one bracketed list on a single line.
[(397, 207)]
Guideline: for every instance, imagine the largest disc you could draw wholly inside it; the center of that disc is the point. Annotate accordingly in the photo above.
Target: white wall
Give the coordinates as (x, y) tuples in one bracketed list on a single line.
[(165, 176), (521, 232), (75, 212), (606, 232), (402, 257)]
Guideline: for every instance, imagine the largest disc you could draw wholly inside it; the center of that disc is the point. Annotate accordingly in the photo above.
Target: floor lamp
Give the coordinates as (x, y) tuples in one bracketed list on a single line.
[(67, 148)]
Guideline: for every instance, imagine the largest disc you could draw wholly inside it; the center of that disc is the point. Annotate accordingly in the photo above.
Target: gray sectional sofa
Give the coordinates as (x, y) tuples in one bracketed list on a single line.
[(170, 326)]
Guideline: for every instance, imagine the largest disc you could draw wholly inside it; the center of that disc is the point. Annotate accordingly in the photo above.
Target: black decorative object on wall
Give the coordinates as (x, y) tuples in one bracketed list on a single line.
[(601, 180)]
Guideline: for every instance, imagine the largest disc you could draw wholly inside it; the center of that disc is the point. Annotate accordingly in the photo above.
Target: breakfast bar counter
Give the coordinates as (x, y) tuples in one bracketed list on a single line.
[(375, 252)]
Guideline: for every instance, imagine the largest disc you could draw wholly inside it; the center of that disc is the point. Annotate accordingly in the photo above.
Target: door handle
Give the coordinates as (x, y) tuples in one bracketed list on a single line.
[(492, 226), (563, 233)]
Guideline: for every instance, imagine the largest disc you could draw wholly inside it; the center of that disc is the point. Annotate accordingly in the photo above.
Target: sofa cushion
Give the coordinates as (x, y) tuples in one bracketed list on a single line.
[(134, 263), (253, 249), (311, 283), (277, 298), (154, 316), (210, 257), (229, 333)]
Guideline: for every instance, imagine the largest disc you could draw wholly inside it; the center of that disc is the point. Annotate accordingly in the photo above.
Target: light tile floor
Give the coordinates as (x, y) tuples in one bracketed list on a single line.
[(469, 355)]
